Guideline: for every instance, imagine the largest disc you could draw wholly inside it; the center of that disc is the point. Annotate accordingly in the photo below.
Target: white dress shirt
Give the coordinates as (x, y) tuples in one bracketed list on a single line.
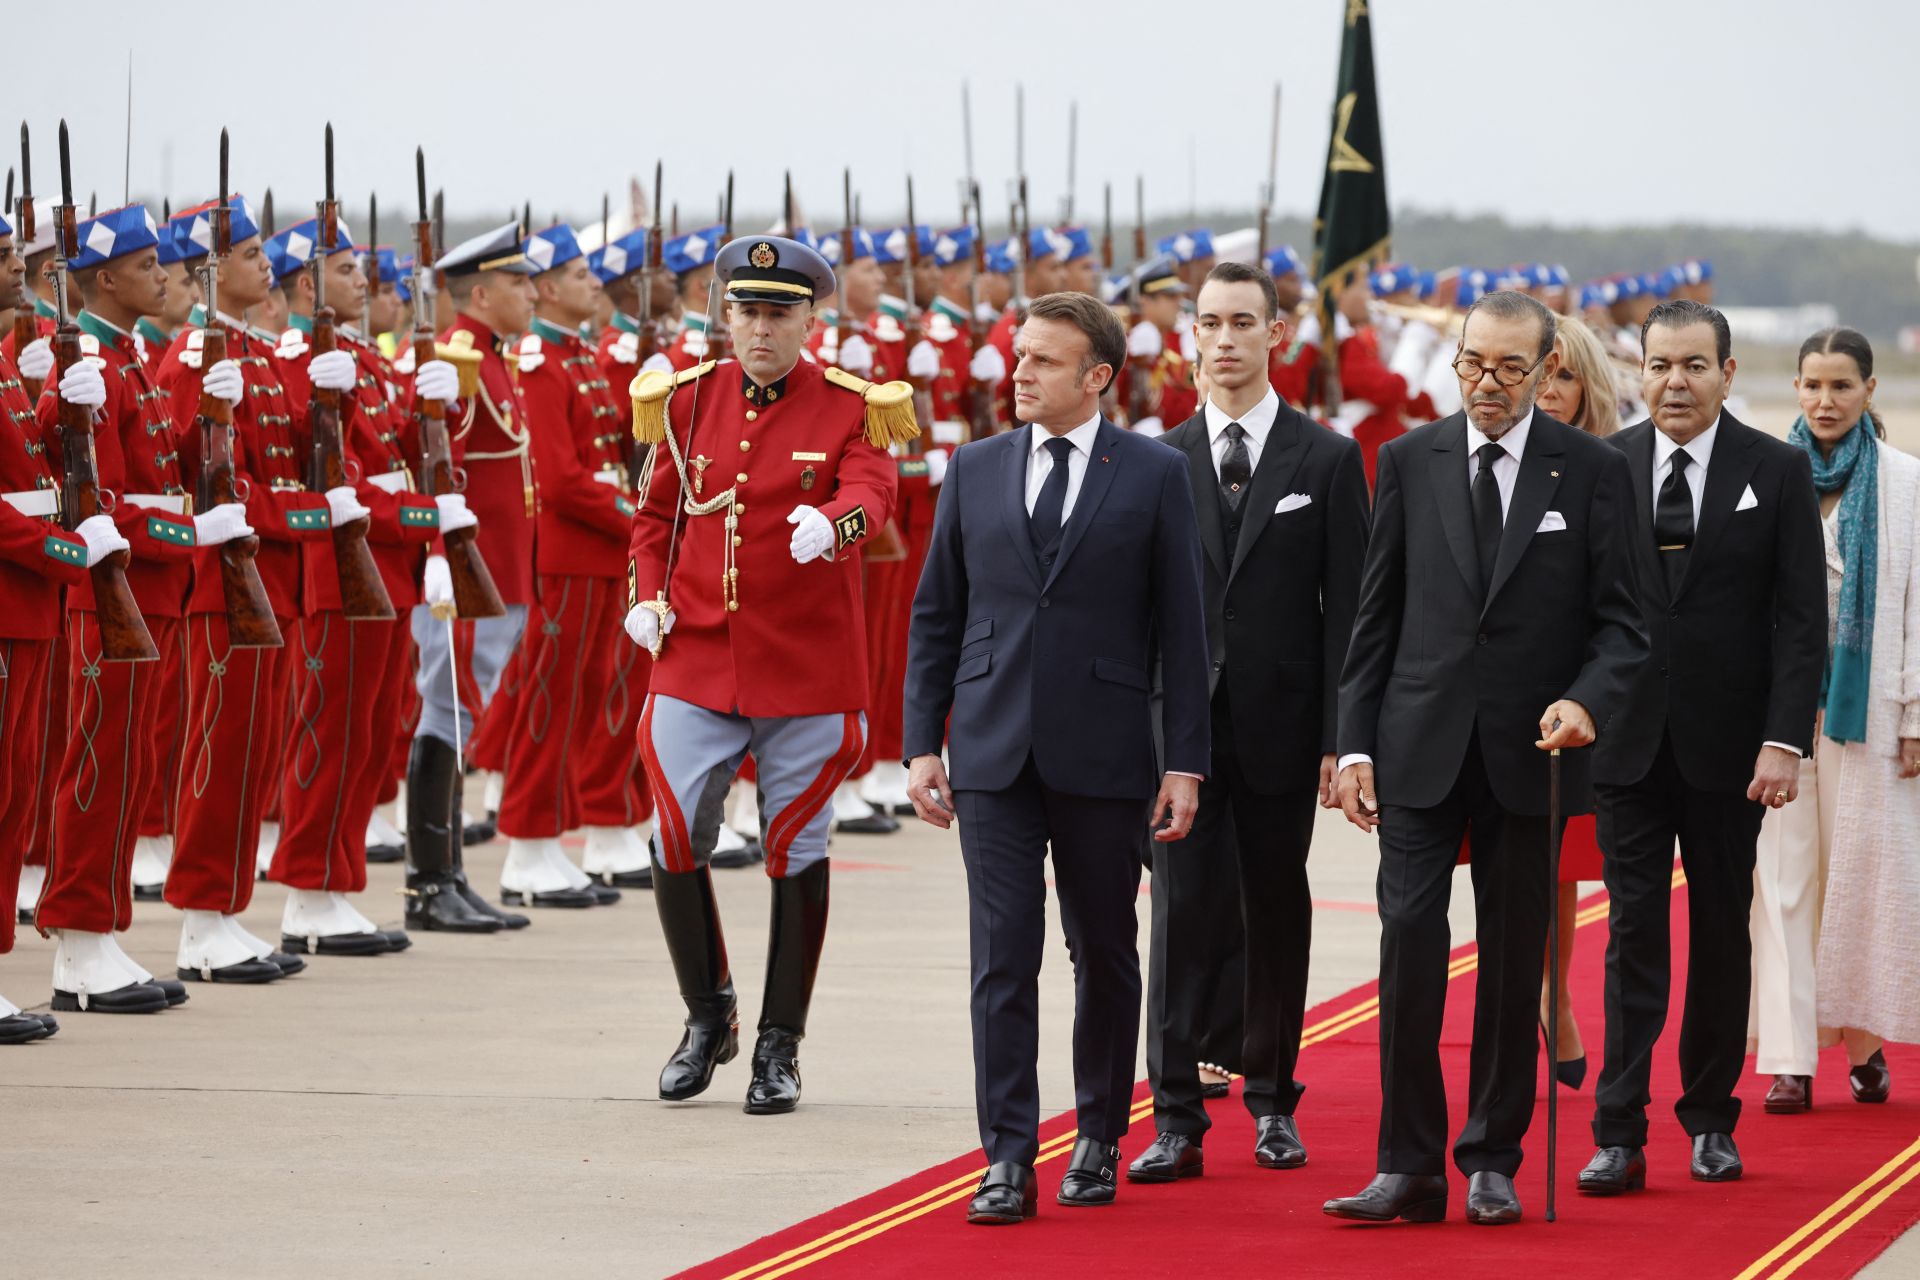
[(1700, 449), (1040, 462), (1258, 422), (1506, 467)]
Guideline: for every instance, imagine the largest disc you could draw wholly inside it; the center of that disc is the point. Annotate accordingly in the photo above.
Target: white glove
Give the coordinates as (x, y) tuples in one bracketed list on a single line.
[(1149, 427), (36, 359), (658, 360), (221, 524), (643, 626), (101, 537), (988, 366), (333, 371), (812, 534), (437, 586), (437, 380), (453, 512), (224, 382), (1145, 340), (856, 357), (923, 361), (694, 344), (936, 467), (344, 504), (83, 385)]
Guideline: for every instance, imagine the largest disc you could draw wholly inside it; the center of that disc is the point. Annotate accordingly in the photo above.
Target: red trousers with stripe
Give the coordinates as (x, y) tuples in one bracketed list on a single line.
[(613, 784), (230, 760), (107, 772), (26, 675), (49, 753), (167, 733), (336, 750)]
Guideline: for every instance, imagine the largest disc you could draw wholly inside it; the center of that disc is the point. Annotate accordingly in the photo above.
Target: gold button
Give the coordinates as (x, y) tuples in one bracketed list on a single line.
[(745, 445), (737, 539), (751, 415), (739, 508), (741, 478), (733, 606)]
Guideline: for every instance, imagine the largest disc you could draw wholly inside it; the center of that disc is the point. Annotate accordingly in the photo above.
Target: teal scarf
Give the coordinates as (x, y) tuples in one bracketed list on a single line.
[(1854, 467)]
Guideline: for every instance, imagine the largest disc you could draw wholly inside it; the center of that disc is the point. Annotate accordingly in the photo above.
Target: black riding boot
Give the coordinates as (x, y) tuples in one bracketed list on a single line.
[(795, 936), (433, 898), (468, 894), (690, 918)]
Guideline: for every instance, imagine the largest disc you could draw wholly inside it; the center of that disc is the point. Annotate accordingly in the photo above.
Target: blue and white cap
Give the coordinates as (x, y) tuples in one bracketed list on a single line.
[(1188, 246), (1473, 286), (1003, 256), (626, 255), (115, 234), (693, 250), (1079, 244), (554, 247), (829, 247), (1283, 261), (891, 245), (197, 239), (1626, 287), (1593, 295), (953, 245), (292, 250), (1043, 242), (1396, 278), (1692, 271)]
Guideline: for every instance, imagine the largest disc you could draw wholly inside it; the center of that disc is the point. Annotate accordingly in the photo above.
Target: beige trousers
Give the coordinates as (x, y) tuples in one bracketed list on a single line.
[(1789, 884)]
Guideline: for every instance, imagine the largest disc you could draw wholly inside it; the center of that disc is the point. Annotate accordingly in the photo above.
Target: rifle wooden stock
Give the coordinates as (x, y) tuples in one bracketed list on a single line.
[(363, 596), (474, 594), (123, 632), (25, 330), (250, 622)]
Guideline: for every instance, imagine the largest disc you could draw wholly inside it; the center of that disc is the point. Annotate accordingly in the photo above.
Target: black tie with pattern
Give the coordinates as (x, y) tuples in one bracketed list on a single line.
[(1236, 472)]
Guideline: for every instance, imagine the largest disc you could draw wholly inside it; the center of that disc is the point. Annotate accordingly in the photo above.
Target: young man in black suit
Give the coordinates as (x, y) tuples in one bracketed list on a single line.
[(1732, 579), (1282, 506), (1497, 622), (1062, 553)]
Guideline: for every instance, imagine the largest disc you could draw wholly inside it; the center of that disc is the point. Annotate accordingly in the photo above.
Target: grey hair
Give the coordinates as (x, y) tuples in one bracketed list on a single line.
[(1511, 304)]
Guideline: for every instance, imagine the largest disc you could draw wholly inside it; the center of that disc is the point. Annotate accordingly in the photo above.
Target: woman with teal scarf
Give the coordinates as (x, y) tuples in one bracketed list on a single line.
[(1837, 884)]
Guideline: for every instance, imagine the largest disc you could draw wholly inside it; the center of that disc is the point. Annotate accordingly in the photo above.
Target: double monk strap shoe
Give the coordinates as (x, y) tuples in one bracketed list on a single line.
[(1005, 1197), (1092, 1174)]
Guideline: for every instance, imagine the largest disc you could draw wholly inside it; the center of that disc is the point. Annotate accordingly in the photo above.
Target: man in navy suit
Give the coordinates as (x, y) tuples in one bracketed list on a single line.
[(1065, 559)]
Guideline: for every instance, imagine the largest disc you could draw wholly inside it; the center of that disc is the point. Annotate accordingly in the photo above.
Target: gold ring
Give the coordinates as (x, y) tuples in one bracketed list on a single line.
[(1780, 795)]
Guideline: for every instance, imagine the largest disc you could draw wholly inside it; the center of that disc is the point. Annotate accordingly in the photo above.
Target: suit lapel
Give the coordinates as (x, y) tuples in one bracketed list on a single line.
[(1206, 490), (1093, 491), (1449, 475), (1280, 461), (1729, 467), (1533, 491), (1013, 497), (1640, 464)]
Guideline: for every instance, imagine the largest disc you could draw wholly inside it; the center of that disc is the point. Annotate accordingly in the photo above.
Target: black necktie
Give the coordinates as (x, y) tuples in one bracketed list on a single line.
[(1044, 525), (1236, 472), (1487, 517), (1673, 520)]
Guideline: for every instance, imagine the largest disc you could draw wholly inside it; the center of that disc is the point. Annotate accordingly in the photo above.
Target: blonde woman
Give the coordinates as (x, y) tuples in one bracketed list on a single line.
[(1581, 394)]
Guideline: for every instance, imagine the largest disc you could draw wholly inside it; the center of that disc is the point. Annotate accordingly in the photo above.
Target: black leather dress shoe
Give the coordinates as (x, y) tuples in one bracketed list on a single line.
[(641, 878), (1715, 1158), (1168, 1158), (141, 997), (289, 964), (435, 903), (336, 944), (481, 907), (874, 824), (1091, 1177), (1491, 1199), (567, 899), (1415, 1197), (251, 971), (1614, 1171), (473, 833), (149, 893), (1276, 1143), (48, 1021), (386, 853), (604, 894), (20, 1028), (1871, 1081), (706, 1045), (1006, 1196), (775, 1087), (745, 856), (175, 992)]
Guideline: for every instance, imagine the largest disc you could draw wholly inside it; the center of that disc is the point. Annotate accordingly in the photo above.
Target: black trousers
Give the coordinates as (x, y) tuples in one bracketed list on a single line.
[(1717, 832), (1245, 861), (1418, 851), (1004, 839)]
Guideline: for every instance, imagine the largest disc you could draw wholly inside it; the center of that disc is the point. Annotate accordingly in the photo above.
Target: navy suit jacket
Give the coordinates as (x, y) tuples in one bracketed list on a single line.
[(1056, 663)]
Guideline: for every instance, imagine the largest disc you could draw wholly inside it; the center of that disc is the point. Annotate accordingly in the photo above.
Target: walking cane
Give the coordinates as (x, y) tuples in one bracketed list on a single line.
[(1553, 961)]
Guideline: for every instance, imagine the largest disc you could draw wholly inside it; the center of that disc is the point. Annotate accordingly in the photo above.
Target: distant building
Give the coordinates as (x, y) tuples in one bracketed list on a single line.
[(1779, 326)]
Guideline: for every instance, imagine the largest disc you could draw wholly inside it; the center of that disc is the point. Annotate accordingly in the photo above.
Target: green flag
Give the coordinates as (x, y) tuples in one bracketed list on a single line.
[(1352, 231)]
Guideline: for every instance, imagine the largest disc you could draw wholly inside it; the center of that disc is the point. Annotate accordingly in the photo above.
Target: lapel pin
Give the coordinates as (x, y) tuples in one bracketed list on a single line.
[(1105, 458), (1555, 474)]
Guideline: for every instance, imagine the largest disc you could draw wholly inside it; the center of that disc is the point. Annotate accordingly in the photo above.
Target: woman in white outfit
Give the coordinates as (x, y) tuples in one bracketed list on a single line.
[(1837, 883)]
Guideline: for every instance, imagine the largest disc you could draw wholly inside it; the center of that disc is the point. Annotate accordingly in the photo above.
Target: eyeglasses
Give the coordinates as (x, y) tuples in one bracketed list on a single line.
[(1507, 373)]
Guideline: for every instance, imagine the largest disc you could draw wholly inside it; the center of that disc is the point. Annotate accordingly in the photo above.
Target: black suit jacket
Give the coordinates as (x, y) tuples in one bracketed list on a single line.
[(1056, 663), (1739, 649), (1432, 657), (1279, 615)]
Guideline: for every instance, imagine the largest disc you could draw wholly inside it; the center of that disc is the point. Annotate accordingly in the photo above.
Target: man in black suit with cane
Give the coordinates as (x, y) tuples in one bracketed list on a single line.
[(1497, 600)]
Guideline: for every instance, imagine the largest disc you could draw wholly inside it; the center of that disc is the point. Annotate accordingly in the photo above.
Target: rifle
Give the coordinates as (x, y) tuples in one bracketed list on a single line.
[(123, 633), (1024, 242), (474, 595), (1268, 193), (843, 325), (362, 594), (25, 328), (915, 329), (1139, 368), (371, 266), (1106, 232), (980, 417), (719, 337), (1073, 153), (250, 623)]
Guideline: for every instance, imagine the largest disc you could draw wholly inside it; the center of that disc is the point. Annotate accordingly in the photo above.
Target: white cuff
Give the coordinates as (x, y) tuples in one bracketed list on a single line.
[(1784, 747), (1340, 765)]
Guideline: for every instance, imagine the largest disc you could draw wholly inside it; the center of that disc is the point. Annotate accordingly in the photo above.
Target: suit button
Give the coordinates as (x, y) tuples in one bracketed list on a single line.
[(1043, 602), (1229, 615), (1663, 673), (1481, 638), (1218, 665), (1673, 613)]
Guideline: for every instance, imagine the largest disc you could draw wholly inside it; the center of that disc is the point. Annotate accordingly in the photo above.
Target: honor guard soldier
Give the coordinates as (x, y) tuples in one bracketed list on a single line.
[(488, 279), (37, 559), (770, 474), (571, 754), (236, 695), (154, 334), (1159, 383), (691, 257), (1082, 268), (35, 360), (622, 270), (110, 763)]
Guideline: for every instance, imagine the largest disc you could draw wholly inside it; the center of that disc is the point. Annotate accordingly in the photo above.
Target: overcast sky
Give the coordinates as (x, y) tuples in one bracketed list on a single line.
[(1736, 112)]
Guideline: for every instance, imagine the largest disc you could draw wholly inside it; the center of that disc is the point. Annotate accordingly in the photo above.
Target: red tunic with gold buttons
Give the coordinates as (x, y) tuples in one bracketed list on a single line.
[(488, 437), (774, 638)]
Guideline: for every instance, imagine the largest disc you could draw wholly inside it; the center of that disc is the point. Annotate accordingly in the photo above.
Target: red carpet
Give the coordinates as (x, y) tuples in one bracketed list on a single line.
[(1823, 1194)]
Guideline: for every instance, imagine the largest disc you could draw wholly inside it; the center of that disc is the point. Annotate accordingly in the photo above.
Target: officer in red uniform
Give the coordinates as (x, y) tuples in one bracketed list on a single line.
[(1154, 353), (236, 697), (107, 763), (769, 475), (571, 753), (690, 257), (1290, 367), (37, 558), (488, 279)]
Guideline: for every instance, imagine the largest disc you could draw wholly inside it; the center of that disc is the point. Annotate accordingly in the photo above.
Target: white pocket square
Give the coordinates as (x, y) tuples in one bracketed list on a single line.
[(1292, 502), (1747, 501), (1552, 522)]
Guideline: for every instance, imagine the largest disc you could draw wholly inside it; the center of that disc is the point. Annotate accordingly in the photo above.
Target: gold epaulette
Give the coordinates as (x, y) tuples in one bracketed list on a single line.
[(459, 351), (889, 407), (651, 389)]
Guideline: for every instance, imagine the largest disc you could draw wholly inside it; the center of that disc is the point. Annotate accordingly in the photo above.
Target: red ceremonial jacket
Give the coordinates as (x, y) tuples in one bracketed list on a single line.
[(579, 433), (405, 522), (488, 437), (37, 557)]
